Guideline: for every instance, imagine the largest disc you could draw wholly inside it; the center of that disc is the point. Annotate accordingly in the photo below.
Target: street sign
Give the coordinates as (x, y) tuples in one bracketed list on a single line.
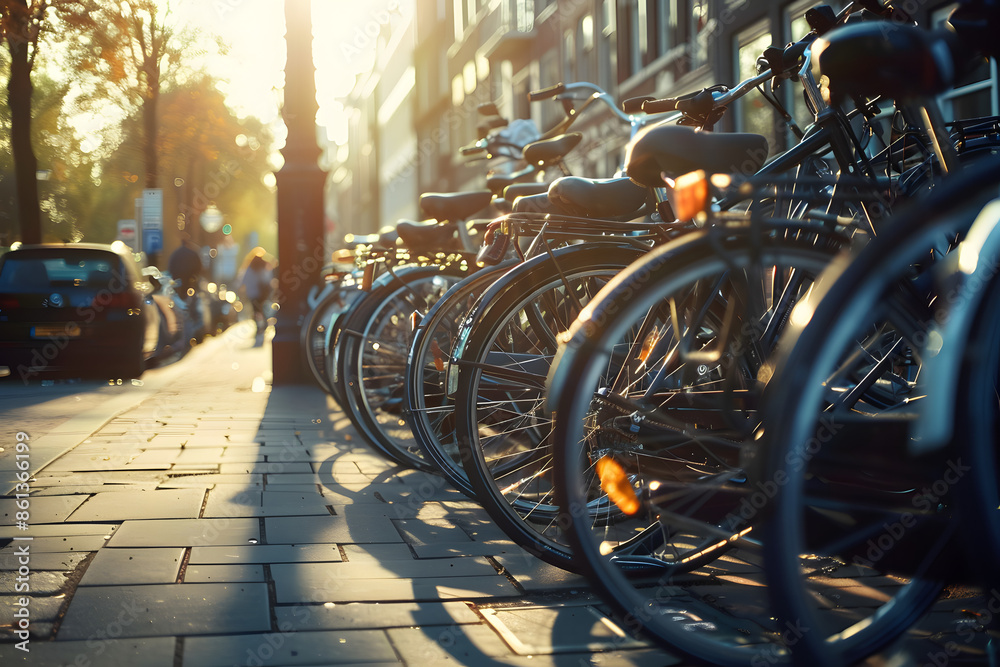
[(128, 233), (152, 220)]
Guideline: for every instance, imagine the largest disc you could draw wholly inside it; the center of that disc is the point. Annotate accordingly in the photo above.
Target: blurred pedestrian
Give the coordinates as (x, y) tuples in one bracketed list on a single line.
[(256, 285), (185, 266)]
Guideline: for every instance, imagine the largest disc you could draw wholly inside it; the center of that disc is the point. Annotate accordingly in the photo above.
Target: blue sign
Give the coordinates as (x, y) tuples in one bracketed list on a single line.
[(152, 241)]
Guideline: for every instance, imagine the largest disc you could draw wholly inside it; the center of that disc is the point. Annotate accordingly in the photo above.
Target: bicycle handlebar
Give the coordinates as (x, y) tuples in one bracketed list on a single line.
[(546, 93)]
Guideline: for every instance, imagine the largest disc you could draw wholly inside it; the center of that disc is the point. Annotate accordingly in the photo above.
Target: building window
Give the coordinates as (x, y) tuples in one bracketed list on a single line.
[(666, 24), (585, 48), (607, 56), (975, 94), (699, 34), (525, 15), (753, 112)]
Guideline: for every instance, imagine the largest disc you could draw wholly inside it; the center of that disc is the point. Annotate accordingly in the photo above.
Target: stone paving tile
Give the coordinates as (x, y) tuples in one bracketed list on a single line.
[(167, 609), (147, 652), (359, 616), (241, 455), (562, 629), (353, 524), (60, 530), (90, 490), (160, 504), (118, 567), (76, 462), (195, 574), (44, 611), (386, 590), (289, 575), (267, 553), (293, 478), (462, 645), (533, 574), (41, 545), (200, 455), (431, 531), (289, 456), (44, 509), (40, 583), (376, 552), (103, 477), (244, 480), (353, 647), (57, 561), (456, 549), (269, 468), (154, 459), (265, 503), (186, 532)]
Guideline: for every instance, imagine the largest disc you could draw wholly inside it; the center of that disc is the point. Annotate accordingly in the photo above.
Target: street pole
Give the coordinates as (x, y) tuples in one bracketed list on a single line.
[(300, 183)]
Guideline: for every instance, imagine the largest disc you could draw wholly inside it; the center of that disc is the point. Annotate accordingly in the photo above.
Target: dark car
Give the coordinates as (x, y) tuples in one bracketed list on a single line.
[(75, 309)]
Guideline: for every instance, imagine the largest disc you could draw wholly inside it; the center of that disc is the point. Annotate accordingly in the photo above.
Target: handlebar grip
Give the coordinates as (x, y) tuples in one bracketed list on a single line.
[(660, 106), (698, 105), (472, 150), (634, 104), (546, 93)]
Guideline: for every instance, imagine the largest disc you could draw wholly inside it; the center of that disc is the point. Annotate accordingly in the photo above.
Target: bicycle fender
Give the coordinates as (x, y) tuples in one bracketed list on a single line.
[(965, 272)]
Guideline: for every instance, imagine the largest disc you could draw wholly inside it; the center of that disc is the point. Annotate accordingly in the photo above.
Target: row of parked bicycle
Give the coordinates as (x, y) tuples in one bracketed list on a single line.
[(718, 372)]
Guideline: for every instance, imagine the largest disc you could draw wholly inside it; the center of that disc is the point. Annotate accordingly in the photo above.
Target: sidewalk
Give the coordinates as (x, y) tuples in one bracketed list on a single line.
[(218, 521), (223, 522)]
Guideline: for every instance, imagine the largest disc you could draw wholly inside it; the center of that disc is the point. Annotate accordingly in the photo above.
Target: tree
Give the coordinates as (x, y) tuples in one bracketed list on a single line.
[(22, 24), (133, 53), (218, 157)]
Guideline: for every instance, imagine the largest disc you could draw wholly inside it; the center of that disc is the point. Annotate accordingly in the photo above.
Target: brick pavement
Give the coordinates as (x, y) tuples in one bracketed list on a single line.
[(218, 521)]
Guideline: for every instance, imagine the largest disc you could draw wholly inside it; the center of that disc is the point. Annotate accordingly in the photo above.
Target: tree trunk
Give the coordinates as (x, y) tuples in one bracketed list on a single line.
[(19, 91), (149, 124)]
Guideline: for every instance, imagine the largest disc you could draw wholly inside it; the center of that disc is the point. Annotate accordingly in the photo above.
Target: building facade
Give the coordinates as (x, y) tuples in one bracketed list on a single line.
[(466, 52)]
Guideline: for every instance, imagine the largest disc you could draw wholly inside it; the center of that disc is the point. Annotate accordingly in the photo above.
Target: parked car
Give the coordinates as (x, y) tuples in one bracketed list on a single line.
[(171, 326), (76, 309)]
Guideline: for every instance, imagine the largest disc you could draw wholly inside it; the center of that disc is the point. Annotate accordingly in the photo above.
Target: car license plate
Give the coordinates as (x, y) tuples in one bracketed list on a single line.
[(55, 330)]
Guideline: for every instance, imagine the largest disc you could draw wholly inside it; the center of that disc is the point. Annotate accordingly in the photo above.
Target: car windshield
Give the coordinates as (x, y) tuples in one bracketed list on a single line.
[(31, 272)]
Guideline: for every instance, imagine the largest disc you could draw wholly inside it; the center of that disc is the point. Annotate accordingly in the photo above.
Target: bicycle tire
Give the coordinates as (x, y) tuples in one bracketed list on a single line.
[(510, 338), (688, 481), (871, 288), (431, 409), (376, 340)]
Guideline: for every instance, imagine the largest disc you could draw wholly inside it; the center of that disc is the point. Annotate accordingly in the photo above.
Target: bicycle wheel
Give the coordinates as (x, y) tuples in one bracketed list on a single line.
[(315, 336), (655, 399), (978, 438), (376, 340), (431, 410), (849, 498), (503, 356)]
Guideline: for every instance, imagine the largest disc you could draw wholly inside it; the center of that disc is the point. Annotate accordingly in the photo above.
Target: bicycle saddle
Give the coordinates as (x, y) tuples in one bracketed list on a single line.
[(550, 151), (881, 58), (427, 235), (455, 205), (598, 197), (534, 204), (676, 150), (498, 182), (503, 203)]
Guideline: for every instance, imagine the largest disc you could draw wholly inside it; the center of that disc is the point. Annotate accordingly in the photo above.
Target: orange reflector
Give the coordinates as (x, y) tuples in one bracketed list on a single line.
[(647, 345), (438, 356), (615, 483), (690, 195)]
